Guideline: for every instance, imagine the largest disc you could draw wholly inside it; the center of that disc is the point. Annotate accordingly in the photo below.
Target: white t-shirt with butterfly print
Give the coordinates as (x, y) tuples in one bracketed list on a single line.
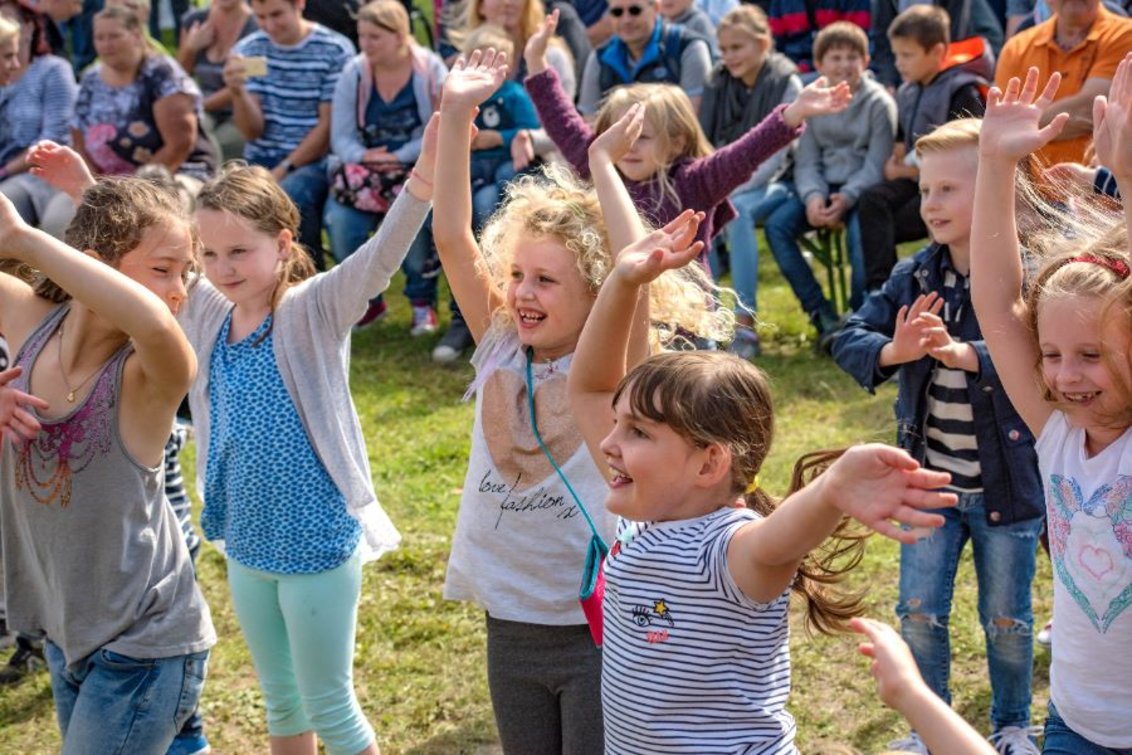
[(1089, 511), (520, 543)]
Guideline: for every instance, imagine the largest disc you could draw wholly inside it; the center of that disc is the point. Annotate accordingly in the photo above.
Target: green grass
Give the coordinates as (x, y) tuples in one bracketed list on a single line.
[(420, 660)]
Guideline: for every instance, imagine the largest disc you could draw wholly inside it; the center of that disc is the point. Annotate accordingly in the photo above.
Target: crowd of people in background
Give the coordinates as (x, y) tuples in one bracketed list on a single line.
[(590, 176)]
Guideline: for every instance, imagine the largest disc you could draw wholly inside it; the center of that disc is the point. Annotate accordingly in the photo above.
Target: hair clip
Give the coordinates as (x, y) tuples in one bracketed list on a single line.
[(753, 486), (1117, 266)]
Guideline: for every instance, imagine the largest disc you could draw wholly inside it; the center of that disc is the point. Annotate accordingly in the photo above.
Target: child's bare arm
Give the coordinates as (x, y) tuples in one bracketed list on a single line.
[(880, 486), (601, 356), (901, 687), (1010, 132), (470, 83), (1112, 133), (16, 422), (62, 167)]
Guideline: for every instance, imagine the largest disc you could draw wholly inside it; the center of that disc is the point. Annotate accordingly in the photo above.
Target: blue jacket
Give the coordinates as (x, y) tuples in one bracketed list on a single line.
[(1011, 484)]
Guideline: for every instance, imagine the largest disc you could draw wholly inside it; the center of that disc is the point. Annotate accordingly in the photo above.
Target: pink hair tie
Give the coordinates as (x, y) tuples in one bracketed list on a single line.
[(1117, 266)]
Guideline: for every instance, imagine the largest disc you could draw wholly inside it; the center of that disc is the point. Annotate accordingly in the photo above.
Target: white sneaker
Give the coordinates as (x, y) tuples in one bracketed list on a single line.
[(1044, 637), (910, 743), (1014, 740)]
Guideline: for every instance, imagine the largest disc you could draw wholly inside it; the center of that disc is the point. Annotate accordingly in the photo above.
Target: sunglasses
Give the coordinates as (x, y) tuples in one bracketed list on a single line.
[(632, 10)]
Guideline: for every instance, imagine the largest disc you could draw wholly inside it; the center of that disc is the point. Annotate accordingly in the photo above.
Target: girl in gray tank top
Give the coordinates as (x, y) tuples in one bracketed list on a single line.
[(91, 551)]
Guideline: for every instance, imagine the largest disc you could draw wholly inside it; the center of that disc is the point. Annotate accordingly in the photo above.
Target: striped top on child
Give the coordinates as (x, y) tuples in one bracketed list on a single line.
[(690, 664)]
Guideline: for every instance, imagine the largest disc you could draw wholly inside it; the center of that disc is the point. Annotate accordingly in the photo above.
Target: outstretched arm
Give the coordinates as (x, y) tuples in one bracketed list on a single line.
[(880, 486), (1112, 133), (601, 357), (901, 687), (1011, 130), (471, 82)]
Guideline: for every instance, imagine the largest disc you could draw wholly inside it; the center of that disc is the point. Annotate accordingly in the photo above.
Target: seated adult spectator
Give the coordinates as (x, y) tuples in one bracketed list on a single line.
[(838, 157), (143, 10), (935, 90), (644, 48), (521, 19), (967, 18), (138, 108), (746, 87), (796, 23), (51, 13), (285, 114), (689, 15), (37, 101), (383, 101), (1085, 42), (207, 36)]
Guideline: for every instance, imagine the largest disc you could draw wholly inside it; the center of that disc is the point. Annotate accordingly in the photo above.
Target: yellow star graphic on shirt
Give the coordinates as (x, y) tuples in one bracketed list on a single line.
[(660, 607)]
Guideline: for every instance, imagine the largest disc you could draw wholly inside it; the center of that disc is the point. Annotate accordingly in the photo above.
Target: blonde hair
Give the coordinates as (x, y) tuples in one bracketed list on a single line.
[(675, 126), (488, 35), (9, 30), (715, 397), (252, 193), (462, 18), (389, 15), (956, 134), (750, 20), (557, 206)]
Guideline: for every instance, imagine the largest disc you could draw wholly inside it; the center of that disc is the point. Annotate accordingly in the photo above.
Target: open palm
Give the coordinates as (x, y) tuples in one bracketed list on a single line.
[(819, 99), (667, 248), (474, 79), (1112, 122), (1012, 125)]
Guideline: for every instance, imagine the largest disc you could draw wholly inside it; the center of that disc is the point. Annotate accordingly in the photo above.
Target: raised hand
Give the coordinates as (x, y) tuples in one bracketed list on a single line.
[(908, 330), (472, 80), (885, 489), (1012, 124), (1112, 123), (534, 54), (522, 150), (17, 423), (616, 141), (200, 35), (818, 98), (62, 167), (667, 248)]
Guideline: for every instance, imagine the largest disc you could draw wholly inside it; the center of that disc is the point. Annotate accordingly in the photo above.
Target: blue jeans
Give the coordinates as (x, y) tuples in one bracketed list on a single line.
[(783, 227), (300, 630), (1004, 567), (349, 228), (489, 176), (752, 207), (1061, 740), (111, 703)]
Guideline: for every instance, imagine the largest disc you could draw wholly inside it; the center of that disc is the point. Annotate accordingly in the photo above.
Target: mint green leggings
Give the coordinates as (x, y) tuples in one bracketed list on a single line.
[(300, 631)]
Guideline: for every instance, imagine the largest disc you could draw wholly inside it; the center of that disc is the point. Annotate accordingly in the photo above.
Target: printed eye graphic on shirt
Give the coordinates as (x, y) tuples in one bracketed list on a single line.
[(657, 613)]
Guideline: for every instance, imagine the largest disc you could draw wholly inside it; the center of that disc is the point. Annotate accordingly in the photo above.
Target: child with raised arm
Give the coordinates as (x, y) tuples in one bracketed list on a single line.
[(522, 532), (672, 167), (1062, 349), (952, 415), (696, 655), (92, 552)]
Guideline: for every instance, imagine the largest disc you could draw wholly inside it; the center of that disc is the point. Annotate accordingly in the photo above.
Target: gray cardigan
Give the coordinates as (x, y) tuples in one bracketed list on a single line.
[(847, 149), (312, 349), (346, 142)]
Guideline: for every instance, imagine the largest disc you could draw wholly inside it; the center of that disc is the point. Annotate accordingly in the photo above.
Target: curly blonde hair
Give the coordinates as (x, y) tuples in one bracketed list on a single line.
[(556, 205)]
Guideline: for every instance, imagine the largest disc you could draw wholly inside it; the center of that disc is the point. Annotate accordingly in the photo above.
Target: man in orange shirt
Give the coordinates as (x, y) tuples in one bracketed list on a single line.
[(1085, 43)]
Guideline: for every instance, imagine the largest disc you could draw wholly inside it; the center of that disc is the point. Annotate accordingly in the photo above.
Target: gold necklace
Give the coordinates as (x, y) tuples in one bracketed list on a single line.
[(63, 372)]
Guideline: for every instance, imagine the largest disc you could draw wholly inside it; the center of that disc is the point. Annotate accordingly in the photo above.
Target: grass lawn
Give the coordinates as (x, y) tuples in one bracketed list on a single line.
[(420, 660)]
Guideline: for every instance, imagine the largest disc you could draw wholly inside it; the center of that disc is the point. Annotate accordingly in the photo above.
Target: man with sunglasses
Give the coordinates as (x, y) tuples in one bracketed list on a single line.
[(644, 48)]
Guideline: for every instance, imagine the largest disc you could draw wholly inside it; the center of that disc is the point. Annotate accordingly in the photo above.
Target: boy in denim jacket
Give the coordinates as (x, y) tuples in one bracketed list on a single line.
[(953, 415)]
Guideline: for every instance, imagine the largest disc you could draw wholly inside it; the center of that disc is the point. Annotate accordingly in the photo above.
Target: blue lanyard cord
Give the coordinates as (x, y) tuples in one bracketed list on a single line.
[(546, 451)]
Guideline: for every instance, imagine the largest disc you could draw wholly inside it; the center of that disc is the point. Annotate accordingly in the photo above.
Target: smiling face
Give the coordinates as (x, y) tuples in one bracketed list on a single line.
[(635, 24), (743, 53), (947, 195), (381, 46), (161, 262), (654, 470), (242, 262), (843, 63), (1079, 354), (646, 157), (282, 20), (547, 297)]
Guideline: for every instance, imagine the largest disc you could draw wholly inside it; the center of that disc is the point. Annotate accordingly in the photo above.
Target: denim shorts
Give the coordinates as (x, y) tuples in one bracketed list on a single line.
[(112, 703)]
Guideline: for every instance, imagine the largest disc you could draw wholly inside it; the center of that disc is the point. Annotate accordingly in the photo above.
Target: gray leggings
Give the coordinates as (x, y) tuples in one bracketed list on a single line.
[(545, 686)]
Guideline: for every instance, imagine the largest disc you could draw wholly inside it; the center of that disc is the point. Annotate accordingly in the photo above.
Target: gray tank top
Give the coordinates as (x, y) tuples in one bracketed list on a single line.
[(92, 552)]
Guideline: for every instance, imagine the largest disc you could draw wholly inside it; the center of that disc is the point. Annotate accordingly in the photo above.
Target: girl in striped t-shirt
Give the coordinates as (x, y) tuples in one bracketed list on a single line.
[(696, 652)]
